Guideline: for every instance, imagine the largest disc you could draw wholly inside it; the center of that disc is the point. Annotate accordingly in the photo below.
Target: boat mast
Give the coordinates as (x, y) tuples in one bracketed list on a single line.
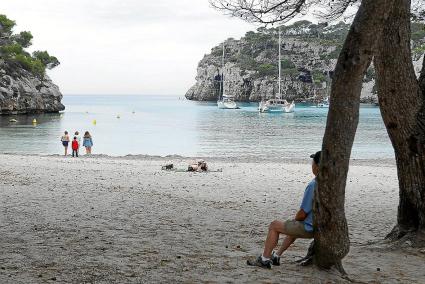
[(280, 63), (222, 70)]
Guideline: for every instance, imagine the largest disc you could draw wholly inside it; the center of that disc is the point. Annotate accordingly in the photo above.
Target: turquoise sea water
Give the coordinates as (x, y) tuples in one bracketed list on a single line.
[(164, 125)]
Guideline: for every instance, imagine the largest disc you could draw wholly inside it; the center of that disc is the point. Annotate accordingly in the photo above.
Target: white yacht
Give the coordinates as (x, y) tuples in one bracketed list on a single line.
[(225, 101), (324, 103), (277, 104)]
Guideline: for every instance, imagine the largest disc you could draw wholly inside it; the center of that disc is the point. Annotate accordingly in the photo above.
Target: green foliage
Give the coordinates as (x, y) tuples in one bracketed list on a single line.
[(24, 39), (44, 57), (419, 50), (31, 64), (267, 70), (418, 31), (287, 64), (6, 25), (318, 76), (247, 62), (13, 50), (290, 71)]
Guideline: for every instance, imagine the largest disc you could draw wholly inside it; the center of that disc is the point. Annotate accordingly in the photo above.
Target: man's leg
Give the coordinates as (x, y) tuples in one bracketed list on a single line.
[(276, 227), (287, 242)]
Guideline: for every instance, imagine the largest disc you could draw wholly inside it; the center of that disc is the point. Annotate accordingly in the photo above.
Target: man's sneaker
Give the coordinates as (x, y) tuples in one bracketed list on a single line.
[(259, 262), (275, 259)]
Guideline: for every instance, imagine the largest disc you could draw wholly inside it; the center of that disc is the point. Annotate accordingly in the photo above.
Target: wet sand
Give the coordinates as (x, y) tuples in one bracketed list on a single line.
[(124, 220)]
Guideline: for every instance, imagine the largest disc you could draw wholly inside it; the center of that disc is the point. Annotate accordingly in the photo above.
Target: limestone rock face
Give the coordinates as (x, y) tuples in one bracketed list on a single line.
[(309, 56), (21, 92)]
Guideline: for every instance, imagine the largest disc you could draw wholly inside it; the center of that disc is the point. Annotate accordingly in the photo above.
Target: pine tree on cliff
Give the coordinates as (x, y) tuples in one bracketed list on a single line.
[(12, 50)]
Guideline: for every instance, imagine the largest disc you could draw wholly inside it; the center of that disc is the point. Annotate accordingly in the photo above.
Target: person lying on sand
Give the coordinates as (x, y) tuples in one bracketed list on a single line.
[(299, 227), (199, 166)]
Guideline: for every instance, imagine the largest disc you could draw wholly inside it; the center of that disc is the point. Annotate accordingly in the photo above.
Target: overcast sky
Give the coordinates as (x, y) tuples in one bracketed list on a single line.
[(124, 46)]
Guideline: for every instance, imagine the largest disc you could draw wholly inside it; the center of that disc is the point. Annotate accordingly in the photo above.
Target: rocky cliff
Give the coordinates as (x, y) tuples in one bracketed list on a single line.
[(309, 55), (24, 85), (22, 92)]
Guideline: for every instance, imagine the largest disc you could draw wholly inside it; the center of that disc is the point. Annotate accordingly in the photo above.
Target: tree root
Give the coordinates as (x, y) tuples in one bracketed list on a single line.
[(402, 238)]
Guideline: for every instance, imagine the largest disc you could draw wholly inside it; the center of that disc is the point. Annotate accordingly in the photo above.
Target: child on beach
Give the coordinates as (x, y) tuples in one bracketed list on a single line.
[(77, 134), (65, 142), (75, 147), (87, 142)]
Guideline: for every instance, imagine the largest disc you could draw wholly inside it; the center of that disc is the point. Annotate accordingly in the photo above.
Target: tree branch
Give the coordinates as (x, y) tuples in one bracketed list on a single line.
[(273, 11)]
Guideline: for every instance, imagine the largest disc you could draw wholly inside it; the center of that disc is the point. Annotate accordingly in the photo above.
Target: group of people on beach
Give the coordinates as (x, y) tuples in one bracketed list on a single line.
[(76, 143)]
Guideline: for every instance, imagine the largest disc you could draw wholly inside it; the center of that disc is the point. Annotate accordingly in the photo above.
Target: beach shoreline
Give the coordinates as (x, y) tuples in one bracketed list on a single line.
[(382, 162), (124, 220)]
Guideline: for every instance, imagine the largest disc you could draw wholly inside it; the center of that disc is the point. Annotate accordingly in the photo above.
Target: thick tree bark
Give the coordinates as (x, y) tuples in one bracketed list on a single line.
[(331, 235), (403, 111)]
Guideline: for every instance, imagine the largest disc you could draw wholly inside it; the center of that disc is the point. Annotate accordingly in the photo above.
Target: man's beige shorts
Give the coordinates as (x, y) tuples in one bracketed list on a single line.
[(296, 229)]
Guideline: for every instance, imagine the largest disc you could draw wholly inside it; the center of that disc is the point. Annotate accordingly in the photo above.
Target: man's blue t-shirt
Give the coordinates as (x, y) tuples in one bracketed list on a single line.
[(307, 205)]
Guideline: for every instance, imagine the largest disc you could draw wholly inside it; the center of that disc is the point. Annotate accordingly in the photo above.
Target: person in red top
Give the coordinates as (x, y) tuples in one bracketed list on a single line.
[(75, 147)]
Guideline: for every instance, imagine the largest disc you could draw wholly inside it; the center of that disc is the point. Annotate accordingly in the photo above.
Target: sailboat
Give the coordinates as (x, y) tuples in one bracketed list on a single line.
[(277, 104), (225, 101)]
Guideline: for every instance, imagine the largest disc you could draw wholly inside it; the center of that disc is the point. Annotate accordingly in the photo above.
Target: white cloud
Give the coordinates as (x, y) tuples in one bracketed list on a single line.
[(124, 46)]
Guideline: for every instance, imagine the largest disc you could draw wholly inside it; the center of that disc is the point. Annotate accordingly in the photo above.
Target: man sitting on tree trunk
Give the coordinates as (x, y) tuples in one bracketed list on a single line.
[(300, 227)]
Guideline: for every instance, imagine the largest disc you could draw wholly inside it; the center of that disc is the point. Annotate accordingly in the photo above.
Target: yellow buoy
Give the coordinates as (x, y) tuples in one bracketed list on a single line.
[(34, 121), (94, 121)]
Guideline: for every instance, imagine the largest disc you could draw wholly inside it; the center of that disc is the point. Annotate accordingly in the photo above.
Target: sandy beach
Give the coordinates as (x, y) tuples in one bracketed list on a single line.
[(123, 220)]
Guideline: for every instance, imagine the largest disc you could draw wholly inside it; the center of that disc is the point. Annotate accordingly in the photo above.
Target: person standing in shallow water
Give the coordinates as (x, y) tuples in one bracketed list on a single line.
[(299, 227), (65, 142), (87, 142)]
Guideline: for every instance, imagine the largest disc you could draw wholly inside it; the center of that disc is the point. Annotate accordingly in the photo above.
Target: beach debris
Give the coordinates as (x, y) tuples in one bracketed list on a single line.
[(118, 116), (179, 256), (12, 120), (133, 112), (378, 269), (168, 167), (94, 121)]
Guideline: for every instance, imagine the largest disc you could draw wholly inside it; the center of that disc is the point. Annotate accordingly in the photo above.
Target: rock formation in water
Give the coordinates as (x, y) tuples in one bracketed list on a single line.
[(24, 85), (309, 55), (21, 92)]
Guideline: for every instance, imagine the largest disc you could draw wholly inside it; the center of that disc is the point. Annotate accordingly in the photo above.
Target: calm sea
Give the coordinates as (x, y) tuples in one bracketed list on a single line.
[(164, 125)]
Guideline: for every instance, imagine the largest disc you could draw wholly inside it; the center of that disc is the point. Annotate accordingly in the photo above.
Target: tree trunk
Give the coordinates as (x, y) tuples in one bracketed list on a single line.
[(403, 111), (331, 234)]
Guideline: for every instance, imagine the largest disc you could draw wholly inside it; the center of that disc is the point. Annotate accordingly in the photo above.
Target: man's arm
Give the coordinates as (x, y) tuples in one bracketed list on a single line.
[(301, 215)]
